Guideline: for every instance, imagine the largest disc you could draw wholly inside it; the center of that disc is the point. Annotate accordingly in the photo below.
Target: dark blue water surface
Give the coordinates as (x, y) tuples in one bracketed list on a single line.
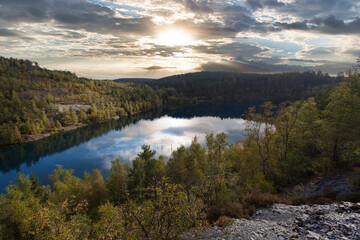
[(94, 147)]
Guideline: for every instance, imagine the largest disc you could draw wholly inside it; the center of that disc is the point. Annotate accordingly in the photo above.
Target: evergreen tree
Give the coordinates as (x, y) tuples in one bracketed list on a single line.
[(73, 116)]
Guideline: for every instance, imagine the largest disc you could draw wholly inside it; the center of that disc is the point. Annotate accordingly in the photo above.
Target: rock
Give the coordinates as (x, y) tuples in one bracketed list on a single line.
[(318, 222), (75, 106), (313, 235)]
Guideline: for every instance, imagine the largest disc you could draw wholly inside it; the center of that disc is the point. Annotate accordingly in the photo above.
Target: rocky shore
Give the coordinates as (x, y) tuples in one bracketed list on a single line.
[(33, 138), (280, 222)]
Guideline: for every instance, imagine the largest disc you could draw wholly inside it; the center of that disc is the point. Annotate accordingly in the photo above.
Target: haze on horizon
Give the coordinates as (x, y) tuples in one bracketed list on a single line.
[(144, 38)]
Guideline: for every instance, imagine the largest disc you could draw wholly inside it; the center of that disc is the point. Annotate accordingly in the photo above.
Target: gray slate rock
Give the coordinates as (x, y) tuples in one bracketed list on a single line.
[(285, 222)]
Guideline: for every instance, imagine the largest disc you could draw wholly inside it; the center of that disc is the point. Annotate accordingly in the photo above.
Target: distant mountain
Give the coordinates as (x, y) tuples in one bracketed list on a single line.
[(242, 87), (134, 80), (247, 87)]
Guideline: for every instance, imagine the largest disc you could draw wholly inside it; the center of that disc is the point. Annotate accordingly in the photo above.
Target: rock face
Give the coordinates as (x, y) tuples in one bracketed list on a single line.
[(75, 106), (333, 221)]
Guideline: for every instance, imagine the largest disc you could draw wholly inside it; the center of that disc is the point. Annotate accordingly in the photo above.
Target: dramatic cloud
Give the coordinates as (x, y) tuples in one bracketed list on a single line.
[(154, 68), (122, 38), (329, 25)]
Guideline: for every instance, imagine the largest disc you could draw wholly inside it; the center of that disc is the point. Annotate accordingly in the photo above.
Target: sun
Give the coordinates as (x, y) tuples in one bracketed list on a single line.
[(174, 37)]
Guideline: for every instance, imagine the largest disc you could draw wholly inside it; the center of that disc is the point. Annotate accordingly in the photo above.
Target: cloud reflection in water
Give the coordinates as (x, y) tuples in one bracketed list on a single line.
[(163, 135)]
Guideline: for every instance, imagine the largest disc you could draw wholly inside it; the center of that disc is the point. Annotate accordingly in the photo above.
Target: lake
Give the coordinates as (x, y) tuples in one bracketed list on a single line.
[(93, 147)]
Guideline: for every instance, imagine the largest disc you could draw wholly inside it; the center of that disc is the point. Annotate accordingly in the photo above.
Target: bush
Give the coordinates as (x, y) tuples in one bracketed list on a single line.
[(329, 192), (223, 221), (298, 200), (225, 208), (351, 197), (258, 200)]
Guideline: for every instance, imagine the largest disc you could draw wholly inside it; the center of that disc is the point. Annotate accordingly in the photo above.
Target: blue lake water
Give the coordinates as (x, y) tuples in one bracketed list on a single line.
[(94, 147)]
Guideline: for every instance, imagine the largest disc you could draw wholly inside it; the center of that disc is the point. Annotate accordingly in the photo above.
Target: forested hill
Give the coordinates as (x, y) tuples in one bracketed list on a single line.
[(34, 100), (250, 88)]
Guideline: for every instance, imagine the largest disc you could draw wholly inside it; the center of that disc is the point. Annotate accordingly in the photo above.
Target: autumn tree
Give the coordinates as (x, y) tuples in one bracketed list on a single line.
[(185, 166), (145, 171), (73, 116), (117, 182), (166, 214)]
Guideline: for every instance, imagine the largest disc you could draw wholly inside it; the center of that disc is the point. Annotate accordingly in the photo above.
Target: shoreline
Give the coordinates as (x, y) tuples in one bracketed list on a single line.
[(37, 137)]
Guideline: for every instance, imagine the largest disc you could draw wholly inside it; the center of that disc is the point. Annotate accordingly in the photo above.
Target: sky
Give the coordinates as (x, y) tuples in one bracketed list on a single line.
[(108, 39)]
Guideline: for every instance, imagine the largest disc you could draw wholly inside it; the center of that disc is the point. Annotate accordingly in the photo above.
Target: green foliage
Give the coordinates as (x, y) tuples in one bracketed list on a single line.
[(82, 115), (59, 221), (92, 188), (145, 171), (19, 206), (166, 214), (215, 172), (66, 118), (185, 167), (29, 96), (73, 116), (117, 182), (302, 139), (58, 125), (12, 134), (111, 223)]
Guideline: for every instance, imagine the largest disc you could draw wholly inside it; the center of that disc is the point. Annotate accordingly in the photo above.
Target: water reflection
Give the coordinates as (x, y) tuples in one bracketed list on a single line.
[(95, 146), (163, 134), (12, 157)]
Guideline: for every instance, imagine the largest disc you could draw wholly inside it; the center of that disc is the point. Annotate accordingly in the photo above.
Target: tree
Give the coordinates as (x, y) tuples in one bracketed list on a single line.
[(58, 125), (215, 172), (45, 120), (95, 190), (117, 182), (49, 98), (111, 223), (260, 130), (145, 171), (184, 167), (19, 206), (66, 187), (165, 215), (307, 143), (82, 115), (66, 119), (12, 134), (61, 221), (342, 115), (16, 102), (73, 116)]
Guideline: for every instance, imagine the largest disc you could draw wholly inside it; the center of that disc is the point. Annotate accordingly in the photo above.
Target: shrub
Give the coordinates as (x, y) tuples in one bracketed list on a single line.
[(223, 221), (258, 200), (225, 208)]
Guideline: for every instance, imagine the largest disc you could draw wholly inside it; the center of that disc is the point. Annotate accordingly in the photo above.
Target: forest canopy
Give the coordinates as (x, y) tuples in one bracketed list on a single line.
[(156, 199)]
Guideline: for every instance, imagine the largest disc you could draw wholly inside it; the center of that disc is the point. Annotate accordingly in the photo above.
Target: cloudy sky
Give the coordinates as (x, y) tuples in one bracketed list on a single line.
[(155, 38)]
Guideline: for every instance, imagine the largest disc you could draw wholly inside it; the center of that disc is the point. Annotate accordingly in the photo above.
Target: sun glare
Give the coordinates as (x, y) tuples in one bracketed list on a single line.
[(173, 38)]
